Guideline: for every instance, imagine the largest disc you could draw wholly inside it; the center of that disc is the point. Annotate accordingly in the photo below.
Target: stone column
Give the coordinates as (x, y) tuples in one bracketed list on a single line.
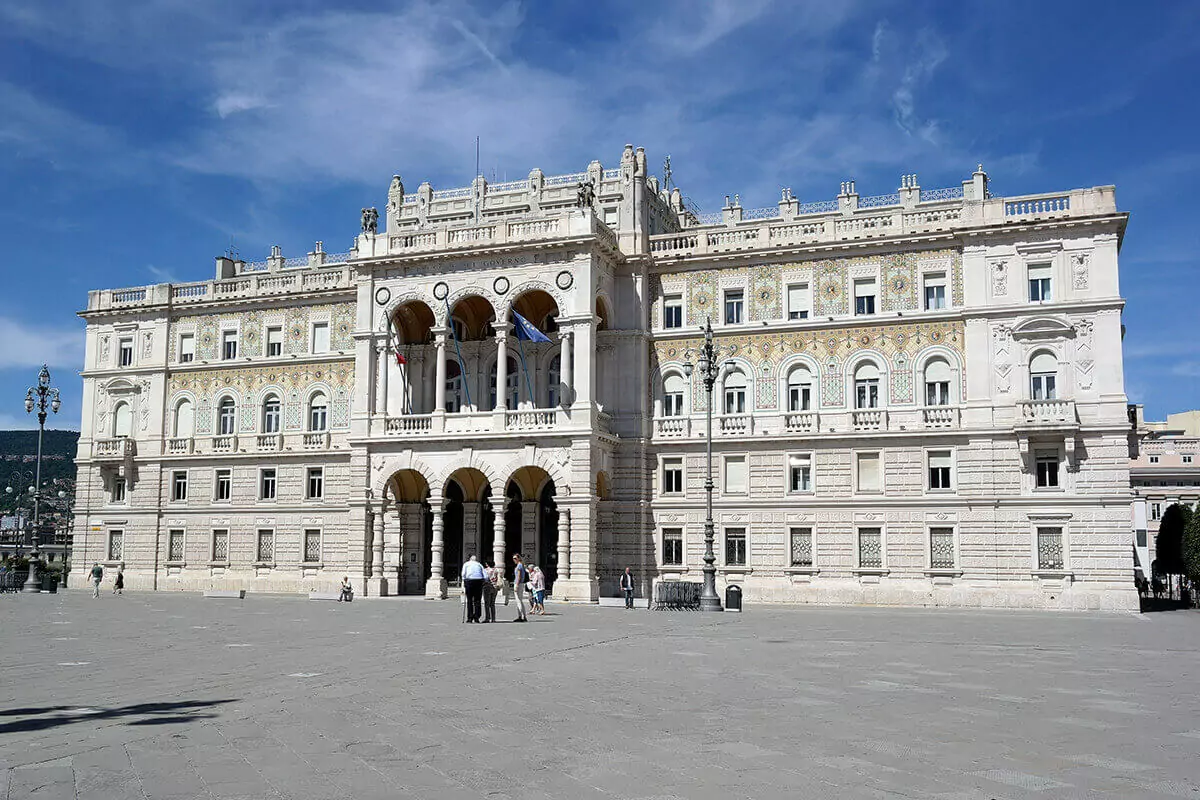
[(499, 546), (564, 545), (564, 368), (435, 588), (439, 386), (502, 367), (378, 515)]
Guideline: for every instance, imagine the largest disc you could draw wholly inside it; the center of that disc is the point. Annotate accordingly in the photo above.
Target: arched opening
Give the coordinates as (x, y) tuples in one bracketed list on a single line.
[(603, 488), (472, 318), (531, 489), (1043, 376), (601, 314), (799, 388), (735, 392), (412, 323), (226, 416), (939, 380), (409, 493), (122, 420), (866, 385), (272, 410), (512, 384), (466, 517), (318, 412), (185, 419), (538, 381), (539, 308), (674, 394)]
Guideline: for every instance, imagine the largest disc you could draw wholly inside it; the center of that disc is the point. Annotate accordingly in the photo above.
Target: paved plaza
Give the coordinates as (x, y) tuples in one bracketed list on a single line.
[(174, 696)]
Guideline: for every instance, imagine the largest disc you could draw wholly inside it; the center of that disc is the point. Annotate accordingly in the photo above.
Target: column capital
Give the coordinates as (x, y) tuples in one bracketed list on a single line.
[(503, 329)]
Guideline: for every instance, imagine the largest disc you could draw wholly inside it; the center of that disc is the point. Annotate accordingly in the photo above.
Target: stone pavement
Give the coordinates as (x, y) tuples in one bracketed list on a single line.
[(173, 696)]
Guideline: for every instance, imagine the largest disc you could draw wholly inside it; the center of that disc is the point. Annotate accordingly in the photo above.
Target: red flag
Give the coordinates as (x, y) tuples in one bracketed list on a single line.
[(400, 359)]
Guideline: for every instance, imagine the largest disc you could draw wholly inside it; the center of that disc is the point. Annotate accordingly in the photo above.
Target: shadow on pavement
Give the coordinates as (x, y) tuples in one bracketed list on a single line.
[(149, 714)]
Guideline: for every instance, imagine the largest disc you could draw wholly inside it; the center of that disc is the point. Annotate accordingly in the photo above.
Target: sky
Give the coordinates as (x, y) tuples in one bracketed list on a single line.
[(139, 139)]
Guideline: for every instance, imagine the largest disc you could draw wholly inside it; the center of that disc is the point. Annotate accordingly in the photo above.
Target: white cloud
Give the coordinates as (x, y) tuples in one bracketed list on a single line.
[(928, 53), (28, 346)]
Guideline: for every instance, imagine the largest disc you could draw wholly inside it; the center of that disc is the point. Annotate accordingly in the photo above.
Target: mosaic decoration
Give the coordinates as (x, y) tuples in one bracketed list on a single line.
[(898, 345), (250, 383), (252, 325)]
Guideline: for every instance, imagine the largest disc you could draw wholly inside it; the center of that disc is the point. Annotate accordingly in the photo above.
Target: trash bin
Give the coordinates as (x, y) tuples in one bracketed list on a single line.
[(733, 598), (50, 583)]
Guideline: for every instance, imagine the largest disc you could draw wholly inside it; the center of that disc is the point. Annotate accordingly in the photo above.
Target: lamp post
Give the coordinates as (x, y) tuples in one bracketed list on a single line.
[(709, 599), (39, 397)]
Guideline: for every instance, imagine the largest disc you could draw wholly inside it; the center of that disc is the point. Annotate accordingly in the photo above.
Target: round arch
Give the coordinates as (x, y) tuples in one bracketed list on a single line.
[(390, 466), (413, 321), (783, 378), (602, 313), (536, 303), (474, 307)]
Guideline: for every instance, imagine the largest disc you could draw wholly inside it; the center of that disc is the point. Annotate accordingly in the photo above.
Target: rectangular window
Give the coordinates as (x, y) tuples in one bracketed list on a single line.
[(312, 546), (735, 301), (673, 311), (1153, 459), (175, 545), (864, 296), (187, 347), (1039, 283), (179, 486), (1155, 510), (320, 337), (673, 404), (220, 546), (315, 489), (802, 547), (672, 476), (800, 472), (229, 345), (125, 353), (1187, 459), (274, 341), (868, 472), (266, 484), (1042, 386), (937, 393), (116, 545), (118, 490), (935, 291), (735, 475), (266, 546), (870, 548), (866, 393), (939, 470), (673, 547), (223, 485), (1047, 469), (735, 547), (1050, 548), (941, 548), (799, 396), (797, 301)]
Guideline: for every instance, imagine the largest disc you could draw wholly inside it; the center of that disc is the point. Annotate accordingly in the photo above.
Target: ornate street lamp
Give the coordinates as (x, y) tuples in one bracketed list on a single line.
[(41, 397), (709, 367)]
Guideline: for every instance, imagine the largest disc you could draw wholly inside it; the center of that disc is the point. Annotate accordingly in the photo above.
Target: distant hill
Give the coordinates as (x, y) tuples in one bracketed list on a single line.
[(18, 453)]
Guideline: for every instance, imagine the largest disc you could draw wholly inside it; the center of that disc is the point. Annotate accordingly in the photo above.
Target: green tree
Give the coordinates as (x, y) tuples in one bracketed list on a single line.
[(1169, 544), (1190, 549)]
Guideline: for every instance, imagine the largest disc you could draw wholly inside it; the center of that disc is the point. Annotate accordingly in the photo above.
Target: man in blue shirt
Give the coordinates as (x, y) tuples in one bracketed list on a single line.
[(520, 578), (473, 577)]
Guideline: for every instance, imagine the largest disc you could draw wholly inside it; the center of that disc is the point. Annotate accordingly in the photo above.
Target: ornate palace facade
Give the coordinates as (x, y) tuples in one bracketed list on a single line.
[(920, 399)]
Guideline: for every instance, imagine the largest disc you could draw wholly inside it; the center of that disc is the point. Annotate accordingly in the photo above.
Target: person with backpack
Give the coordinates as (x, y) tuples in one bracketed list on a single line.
[(520, 579), (97, 576)]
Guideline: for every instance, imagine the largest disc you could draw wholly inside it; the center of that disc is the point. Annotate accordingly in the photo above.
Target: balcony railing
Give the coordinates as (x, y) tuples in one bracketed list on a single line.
[(673, 426), (316, 440), (268, 442), (735, 425), (801, 422), (412, 425), (181, 446), (869, 419), (118, 448), (224, 444), (939, 416), (532, 419), (1048, 412)]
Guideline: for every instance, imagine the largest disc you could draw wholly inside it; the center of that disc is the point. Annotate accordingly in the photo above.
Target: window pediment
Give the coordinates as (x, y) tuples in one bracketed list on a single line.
[(1043, 329)]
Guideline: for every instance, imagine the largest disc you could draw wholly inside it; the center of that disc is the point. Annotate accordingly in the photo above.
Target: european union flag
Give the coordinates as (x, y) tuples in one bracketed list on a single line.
[(526, 331)]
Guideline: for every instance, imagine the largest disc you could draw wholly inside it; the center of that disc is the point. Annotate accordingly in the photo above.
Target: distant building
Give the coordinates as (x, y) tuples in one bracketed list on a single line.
[(919, 399), (1164, 469)]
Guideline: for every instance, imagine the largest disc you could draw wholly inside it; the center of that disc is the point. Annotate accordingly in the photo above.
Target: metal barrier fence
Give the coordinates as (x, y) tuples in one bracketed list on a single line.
[(12, 580), (676, 595)]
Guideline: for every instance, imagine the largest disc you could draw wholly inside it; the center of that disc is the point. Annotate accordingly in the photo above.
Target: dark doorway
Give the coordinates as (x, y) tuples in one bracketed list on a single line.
[(548, 534), (512, 527), (452, 532)]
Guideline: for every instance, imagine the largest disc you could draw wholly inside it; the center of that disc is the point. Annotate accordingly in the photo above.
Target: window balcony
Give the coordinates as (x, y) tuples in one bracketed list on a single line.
[(940, 417), (316, 440), (224, 444), (268, 442), (1047, 414), (870, 419), (116, 449), (181, 446), (801, 422), (534, 419), (411, 425), (673, 427), (735, 425)]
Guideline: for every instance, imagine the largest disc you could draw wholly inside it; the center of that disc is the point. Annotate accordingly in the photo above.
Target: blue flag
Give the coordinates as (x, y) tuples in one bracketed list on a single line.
[(526, 331)]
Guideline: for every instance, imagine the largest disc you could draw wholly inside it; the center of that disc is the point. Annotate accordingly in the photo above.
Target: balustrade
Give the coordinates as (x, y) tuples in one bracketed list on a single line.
[(800, 422), (672, 426), (180, 446), (120, 447), (940, 416), (1048, 412), (735, 424), (224, 444), (269, 441), (411, 425), (530, 419), (870, 419)]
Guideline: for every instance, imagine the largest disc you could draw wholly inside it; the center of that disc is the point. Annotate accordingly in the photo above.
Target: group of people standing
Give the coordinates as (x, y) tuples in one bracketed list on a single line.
[(98, 576), (482, 584)]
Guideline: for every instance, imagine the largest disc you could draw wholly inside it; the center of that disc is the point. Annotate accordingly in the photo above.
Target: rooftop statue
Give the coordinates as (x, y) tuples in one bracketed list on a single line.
[(370, 220), (585, 194)]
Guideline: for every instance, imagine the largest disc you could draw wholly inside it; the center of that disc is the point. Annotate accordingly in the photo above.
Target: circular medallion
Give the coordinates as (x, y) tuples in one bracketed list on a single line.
[(382, 295), (500, 285), (564, 280), (865, 341), (441, 290), (899, 284)]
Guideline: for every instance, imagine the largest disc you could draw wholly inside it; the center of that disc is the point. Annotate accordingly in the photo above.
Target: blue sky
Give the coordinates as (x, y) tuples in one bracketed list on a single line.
[(137, 138)]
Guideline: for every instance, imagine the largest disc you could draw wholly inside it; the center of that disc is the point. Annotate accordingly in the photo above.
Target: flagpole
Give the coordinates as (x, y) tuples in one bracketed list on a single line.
[(462, 368), (525, 367)]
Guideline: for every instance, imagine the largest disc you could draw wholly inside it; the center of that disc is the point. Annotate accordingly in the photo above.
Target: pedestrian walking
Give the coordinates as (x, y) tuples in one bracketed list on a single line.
[(119, 583), (537, 582), (520, 579), (491, 587), (627, 586), (473, 578), (97, 576), (347, 593)]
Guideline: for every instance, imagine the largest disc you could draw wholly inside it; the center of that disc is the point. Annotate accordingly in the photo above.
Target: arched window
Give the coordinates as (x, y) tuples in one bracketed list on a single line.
[(226, 417), (184, 419), (735, 393), (270, 414), (866, 386), (1043, 376), (318, 413), (799, 389), (553, 382), (674, 387), (938, 379), (122, 420)]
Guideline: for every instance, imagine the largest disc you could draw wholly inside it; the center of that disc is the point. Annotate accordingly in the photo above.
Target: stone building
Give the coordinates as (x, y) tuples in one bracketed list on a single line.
[(920, 399), (1164, 469)]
